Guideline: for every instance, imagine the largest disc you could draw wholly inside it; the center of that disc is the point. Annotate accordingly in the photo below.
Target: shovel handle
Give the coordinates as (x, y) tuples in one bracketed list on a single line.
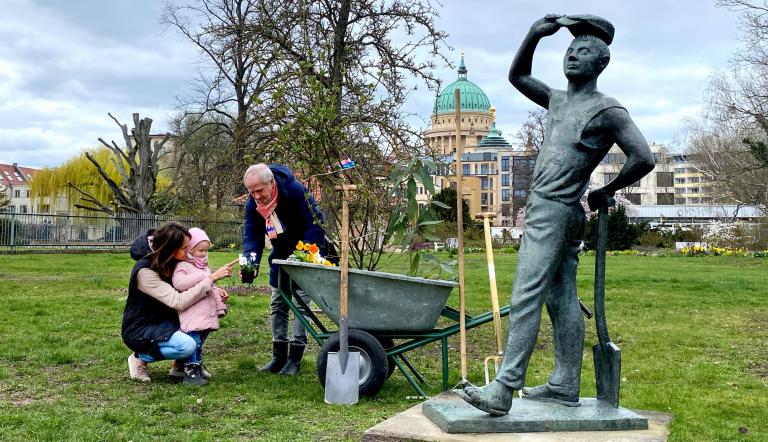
[(344, 282), (602, 242)]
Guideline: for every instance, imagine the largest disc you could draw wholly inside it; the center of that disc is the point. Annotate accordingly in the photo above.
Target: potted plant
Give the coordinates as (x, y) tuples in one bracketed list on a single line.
[(249, 268)]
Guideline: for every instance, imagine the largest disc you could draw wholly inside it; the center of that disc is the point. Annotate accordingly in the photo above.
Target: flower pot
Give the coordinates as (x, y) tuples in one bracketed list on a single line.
[(247, 277)]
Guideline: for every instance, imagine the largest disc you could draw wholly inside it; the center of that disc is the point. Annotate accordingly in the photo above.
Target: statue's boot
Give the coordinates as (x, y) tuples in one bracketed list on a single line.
[(495, 398), (543, 393)]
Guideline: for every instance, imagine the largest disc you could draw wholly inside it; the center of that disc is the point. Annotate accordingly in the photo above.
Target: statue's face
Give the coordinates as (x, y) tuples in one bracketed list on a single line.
[(582, 60)]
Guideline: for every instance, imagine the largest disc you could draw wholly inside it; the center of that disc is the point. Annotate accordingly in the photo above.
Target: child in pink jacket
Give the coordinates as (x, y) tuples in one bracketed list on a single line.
[(202, 317)]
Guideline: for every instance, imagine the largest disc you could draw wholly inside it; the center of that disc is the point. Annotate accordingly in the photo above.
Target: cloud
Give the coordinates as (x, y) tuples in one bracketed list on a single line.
[(64, 65)]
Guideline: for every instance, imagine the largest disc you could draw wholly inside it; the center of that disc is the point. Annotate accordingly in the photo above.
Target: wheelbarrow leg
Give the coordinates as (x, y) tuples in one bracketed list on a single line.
[(444, 351), (412, 369), (408, 376)]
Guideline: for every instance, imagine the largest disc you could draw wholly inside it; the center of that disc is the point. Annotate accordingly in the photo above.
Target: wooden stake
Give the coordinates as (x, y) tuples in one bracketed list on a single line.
[(460, 226)]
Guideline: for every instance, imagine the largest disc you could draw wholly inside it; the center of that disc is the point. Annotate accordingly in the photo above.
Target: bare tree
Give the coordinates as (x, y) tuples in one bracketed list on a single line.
[(353, 65), (138, 165), (234, 90), (531, 133), (729, 138)]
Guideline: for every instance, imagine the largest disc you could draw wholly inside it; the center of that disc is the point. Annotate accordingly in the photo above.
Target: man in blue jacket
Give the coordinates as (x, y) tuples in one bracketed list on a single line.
[(281, 209)]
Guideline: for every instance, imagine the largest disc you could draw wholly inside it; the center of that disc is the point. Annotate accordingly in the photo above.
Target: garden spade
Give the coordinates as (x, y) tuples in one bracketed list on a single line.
[(343, 368), (606, 354), (486, 216)]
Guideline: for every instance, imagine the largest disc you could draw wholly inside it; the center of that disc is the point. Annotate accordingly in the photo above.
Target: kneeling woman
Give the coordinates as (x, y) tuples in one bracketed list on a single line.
[(151, 319)]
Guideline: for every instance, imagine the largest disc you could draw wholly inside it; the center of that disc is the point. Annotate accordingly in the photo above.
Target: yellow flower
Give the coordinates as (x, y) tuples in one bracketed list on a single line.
[(300, 245)]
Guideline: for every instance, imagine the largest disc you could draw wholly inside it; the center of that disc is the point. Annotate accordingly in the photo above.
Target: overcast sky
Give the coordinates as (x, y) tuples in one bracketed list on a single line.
[(65, 64)]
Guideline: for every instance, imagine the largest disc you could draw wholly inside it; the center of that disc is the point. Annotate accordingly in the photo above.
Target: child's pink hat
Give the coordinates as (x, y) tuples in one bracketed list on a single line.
[(197, 234)]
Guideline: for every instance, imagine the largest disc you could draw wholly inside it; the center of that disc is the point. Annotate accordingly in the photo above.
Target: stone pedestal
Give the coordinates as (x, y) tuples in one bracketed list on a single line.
[(413, 425), (454, 415)]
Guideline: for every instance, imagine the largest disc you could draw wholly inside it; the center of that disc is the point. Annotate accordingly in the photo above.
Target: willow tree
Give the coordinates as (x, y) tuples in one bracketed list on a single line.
[(77, 182)]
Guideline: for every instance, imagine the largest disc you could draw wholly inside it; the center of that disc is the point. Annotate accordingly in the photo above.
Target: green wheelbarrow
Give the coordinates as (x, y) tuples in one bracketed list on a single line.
[(383, 308)]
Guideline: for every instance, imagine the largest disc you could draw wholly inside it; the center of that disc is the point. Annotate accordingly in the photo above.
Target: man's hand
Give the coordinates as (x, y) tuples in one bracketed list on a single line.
[(546, 26), (599, 198)]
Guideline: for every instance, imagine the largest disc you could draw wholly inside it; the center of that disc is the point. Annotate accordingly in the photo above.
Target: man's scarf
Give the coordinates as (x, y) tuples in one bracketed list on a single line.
[(273, 225)]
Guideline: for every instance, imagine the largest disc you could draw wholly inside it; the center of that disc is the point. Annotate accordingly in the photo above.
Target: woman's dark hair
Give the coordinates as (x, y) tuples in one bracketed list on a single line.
[(168, 239)]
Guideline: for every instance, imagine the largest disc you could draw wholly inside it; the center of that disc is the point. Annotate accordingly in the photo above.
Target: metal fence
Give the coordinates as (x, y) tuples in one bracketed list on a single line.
[(42, 231)]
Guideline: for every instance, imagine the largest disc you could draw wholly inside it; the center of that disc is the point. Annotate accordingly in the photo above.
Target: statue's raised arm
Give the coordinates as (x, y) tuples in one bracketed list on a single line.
[(520, 70)]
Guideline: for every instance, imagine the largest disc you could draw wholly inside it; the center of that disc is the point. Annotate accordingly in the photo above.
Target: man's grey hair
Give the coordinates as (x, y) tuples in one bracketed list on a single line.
[(261, 170)]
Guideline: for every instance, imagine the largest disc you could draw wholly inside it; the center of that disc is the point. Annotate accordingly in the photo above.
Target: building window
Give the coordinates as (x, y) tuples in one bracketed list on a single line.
[(505, 164), (633, 198), (465, 169), (608, 177), (504, 195), (657, 158), (505, 180), (484, 199), (483, 183), (665, 199), (44, 208), (664, 179), (679, 180), (484, 169), (17, 193), (519, 193), (23, 208), (614, 158), (635, 184)]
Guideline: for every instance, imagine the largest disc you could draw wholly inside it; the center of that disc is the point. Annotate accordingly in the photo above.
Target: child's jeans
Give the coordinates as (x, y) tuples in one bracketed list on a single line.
[(180, 346), (199, 337)]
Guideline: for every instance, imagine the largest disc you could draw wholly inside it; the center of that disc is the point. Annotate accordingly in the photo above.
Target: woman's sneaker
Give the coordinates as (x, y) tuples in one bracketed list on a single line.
[(137, 369), (177, 371), (193, 375)]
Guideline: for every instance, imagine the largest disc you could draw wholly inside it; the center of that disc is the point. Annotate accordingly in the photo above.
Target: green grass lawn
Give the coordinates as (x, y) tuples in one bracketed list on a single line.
[(693, 333)]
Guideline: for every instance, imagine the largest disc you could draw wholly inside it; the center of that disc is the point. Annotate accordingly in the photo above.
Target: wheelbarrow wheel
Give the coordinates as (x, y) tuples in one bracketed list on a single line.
[(388, 343), (374, 366)]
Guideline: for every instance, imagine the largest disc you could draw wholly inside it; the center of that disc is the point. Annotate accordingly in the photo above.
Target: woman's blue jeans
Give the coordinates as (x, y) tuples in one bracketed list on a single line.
[(179, 346)]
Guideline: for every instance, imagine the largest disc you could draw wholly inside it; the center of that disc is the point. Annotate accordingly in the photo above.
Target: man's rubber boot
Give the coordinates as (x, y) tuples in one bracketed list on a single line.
[(279, 358), (292, 367)]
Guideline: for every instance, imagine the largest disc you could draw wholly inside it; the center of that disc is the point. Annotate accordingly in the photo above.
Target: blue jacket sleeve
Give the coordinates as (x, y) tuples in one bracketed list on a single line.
[(312, 217), (253, 231)]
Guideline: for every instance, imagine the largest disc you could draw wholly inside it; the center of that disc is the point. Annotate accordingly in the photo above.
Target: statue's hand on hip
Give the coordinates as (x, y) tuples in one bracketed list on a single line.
[(599, 198)]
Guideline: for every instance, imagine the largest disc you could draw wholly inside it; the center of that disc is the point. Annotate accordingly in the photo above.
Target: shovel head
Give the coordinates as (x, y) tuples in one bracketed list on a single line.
[(607, 372), (342, 386)]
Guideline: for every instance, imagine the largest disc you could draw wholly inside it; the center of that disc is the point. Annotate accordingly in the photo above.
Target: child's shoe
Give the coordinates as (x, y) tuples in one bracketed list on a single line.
[(193, 375), (206, 375), (138, 369)]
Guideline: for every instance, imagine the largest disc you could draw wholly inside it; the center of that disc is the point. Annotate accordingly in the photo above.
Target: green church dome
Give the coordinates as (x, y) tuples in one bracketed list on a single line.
[(472, 97)]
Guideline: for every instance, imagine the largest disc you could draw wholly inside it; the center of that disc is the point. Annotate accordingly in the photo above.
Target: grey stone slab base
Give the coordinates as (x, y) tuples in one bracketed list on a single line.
[(413, 425), (454, 415)]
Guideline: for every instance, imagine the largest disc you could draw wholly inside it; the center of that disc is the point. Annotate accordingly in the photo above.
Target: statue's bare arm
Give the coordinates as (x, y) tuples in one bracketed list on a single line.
[(520, 70), (619, 127)]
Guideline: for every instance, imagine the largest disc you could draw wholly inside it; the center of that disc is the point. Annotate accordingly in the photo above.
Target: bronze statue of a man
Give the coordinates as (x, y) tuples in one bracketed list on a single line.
[(582, 125)]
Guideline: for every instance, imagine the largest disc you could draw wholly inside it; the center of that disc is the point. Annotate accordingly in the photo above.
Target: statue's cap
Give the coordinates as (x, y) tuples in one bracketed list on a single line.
[(587, 24)]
